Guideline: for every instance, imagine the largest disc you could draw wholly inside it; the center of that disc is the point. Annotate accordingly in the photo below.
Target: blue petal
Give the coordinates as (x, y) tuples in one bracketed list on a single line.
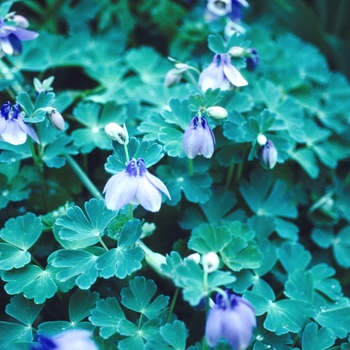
[(213, 328), (13, 133)]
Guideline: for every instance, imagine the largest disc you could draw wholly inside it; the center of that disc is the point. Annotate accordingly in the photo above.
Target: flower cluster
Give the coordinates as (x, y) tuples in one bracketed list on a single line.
[(11, 36), (12, 127), (135, 185), (221, 74), (232, 318), (77, 339)]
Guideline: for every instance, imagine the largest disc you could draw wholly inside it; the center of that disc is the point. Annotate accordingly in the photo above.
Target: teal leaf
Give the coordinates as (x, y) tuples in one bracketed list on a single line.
[(286, 229), (107, 315), (23, 310), (79, 264), (238, 102), (266, 198), (316, 339), (125, 259), (216, 43), (209, 238), (87, 139), (26, 103), (300, 286), (287, 253), (269, 93), (75, 225), (32, 281), (10, 332), (341, 247), (52, 328), (151, 153), (23, 231), (307, 160), (172, 140), (179, 113), (12, 257), (138, 296), (175, 334), (198, 101), (80, 304)]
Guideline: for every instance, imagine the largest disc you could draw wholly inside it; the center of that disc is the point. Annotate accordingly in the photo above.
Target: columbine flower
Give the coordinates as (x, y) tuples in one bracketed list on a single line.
[(232, 318), (12, 36), (12, 127), (221, 74), (268, 155), (135, 185), (77, 339), (198, 138)]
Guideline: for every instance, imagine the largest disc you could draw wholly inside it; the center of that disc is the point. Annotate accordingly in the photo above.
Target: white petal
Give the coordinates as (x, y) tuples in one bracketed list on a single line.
[(234, 76), (148, 195)]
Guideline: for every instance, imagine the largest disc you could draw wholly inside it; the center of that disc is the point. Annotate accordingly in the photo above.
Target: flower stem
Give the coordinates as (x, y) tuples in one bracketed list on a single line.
[(131, 212), (239, 171), (103, 244), (172, 305), (83, 177), (190, 167), (126, 153), (229, 175)]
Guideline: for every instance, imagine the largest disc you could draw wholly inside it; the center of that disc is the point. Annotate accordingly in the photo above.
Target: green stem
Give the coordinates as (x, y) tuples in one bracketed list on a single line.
[(190, 166), (239, 172), (189, 76), (140, 320), (172, 305), (103, 244), (229, 175), (131, 212), (126, 153), (83, 177)]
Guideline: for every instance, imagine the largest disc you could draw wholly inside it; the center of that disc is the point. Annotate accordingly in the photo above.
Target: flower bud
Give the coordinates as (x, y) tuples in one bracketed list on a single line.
[(117, 133), (56, 119), (261, 139), (18, 19), (210, 262), (268, 155), (236, 51), (195, 257), (253, 60), (174, 75), (217, 112)]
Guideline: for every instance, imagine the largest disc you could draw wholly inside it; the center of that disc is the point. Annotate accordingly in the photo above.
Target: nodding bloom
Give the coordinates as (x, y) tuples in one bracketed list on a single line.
[(135, 185), (268, 155), (198, 138), (231, 318), (174, 75), (230, 8), (77, 339), (11, 37), (12, 127), (221, 74), (253, 60)]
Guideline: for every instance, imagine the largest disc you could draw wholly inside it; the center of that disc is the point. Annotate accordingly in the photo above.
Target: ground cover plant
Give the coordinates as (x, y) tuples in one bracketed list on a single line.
[(173, 175)]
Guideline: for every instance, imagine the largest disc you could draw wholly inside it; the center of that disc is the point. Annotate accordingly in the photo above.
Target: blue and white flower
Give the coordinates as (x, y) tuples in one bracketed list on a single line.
[(11, 37), (135, 185), (221, 74), (231, 318), (77, 339), (198, 138), (13, 129)]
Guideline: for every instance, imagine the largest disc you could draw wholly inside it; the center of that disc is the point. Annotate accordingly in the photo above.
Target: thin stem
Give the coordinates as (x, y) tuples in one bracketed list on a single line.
[(103, 244), (126, 153), (172, 305), (229, 175), (190, 166), (140, 320), (83, 177), (131, 212), (239, 171)]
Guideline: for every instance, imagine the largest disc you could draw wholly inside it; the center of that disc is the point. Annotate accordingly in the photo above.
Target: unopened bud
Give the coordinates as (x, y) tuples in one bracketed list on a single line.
[(174, 75), (117, 133), (195, 257), (210, 262), (268, 155), (261, 139), (217, 112), (236, 51), (18, 19), (56, 119)]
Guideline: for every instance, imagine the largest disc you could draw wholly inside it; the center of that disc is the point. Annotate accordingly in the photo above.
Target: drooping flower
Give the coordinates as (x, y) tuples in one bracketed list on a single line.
[(231, 318), (253, 60), (198, 138), (210, 262), (11, 37), (221, 74), (135, 185), (12, 127), (77, 339), (268, 155)]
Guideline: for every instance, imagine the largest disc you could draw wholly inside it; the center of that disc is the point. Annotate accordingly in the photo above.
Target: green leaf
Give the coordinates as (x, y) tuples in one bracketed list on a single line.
[(10, 332), (179, 113), (306, 158), (138, 296), (300, 286), (316, 339), (341, 247), (52, 328), (107, 315), (12, 257), (237, 101), (23, 231), (216, 43), (175, 334), (79, 264), (269, 93), (125, 259), (77, 226), (151, 153), (80, 304), (26, 103), (287, 253), (32, 281), (23, 310), (209, 238), (172, 140), (266, 198)]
